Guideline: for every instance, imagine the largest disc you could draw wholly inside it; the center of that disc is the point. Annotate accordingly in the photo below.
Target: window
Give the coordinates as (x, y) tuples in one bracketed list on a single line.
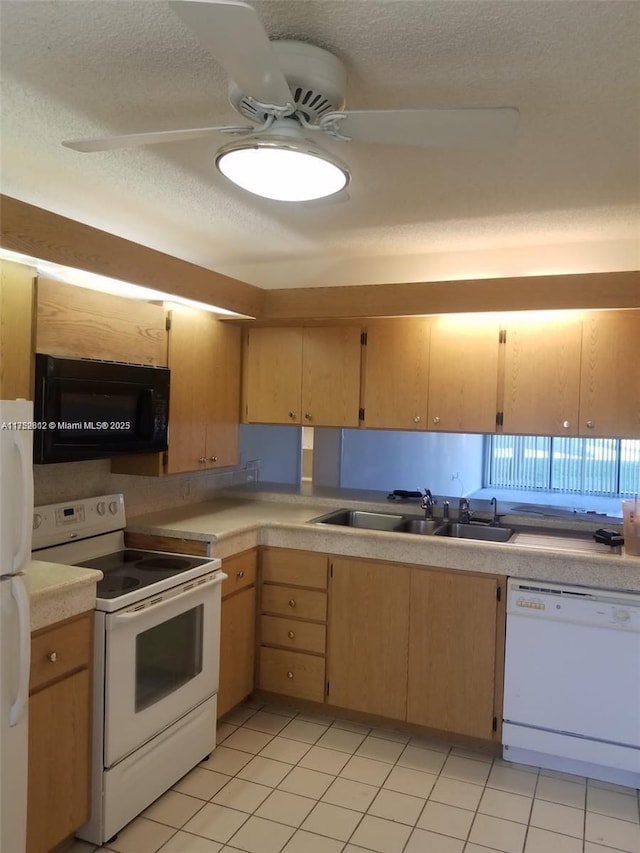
[(590, 466)]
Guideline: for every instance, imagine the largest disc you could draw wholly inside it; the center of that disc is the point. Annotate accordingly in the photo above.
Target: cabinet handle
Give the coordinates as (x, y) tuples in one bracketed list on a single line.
[(293, 415), (307, 416), (291, 635), (436, 420), (292, 602), (289, 674), (213, 459), (240, 574), (565, 424), (589, 424), (416, 420), (52, 656), (202, 459)]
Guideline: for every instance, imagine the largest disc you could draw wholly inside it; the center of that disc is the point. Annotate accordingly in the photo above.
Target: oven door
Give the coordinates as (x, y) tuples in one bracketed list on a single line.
[(161, 661)]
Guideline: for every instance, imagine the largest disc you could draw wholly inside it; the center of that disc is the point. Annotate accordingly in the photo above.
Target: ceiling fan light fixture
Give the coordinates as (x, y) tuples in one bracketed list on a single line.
[(282, 169)]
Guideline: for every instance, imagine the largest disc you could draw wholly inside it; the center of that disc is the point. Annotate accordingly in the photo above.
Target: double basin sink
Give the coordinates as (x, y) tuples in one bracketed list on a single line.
[(411, 524)]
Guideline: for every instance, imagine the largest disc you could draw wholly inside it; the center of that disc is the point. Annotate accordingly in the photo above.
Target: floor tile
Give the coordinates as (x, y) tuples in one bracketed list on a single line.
[(447, 820), (239, 715), (141, 836), (498, 834), (81, 847), (265, 722), (473, 754), (265, 771), (456, 793), (515, 781), (505, 804), (366, 770), (216, 822), (351, 726), (283, 710), (248, 740), (173, 809), (319, 718), (543, 841), (258, 835), (351, 795), (422, 759), (301, 730), (621, 834), (341, 739), (380, 749), (560, 791), (423, 841), (201, 783), (284, 749), (391, 734), (307, 842), (436, 744), (557, 818), (399, 807), (307, 783), (613, 804), (324, 760), (283, 807), (465, 769), (610, 786), (242, 795), (184, 842), (590, 847), (225, 760), (383, 836), (412, 782), (334, 821), (223, 730)]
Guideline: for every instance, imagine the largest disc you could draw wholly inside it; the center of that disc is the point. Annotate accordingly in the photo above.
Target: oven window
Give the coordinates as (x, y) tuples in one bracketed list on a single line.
[(168, 656)]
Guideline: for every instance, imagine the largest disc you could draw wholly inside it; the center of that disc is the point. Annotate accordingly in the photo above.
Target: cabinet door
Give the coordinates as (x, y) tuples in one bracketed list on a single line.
[(368, 637), (610, 380), (331, 376), (452, 652), (396, 373), (223, 347), (237, 649), (273, 366), (542, 377), (16, 331), (463, 375), (59, 759)]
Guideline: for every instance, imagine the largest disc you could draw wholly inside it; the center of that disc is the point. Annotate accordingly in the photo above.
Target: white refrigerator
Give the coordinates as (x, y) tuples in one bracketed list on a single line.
[(16, 519)]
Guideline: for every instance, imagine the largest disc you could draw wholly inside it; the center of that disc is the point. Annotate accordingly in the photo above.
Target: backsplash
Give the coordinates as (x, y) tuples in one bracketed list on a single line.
[(69, 481)]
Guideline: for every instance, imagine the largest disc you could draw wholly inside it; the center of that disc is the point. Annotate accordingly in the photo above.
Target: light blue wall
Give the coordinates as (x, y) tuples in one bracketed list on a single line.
[(279, 449)]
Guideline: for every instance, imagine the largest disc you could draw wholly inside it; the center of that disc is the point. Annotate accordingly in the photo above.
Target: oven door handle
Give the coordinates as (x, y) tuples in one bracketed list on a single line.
[(128, 616)]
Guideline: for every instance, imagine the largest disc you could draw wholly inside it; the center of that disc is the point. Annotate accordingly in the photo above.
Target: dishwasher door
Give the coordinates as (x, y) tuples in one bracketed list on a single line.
[(573, 661)]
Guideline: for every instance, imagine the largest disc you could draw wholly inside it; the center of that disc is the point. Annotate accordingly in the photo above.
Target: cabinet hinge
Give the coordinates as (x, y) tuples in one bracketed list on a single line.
[(360, 414), (502, 336), (499, 418), (167, 322), (330, 570), (327, 688), (363, 339), (494, 725), (499, 593)]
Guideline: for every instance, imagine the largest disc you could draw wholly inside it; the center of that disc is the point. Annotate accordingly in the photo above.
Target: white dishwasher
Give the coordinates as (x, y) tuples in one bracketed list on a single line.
[(572, 680)]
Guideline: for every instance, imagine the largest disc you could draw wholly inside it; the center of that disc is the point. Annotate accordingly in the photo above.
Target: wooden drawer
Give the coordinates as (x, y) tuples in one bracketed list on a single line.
[(293, 634), (59, 650), (292, 673), (288, 601), (297, 568), (241, 569)]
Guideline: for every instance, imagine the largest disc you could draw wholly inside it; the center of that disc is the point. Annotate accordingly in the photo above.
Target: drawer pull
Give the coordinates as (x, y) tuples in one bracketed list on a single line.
[(52, 656), (240, 574), (292, 602), (289, 674), (291, 635)]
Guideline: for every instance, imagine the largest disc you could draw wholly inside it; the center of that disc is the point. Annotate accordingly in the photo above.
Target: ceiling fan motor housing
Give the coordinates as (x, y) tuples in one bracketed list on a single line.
[(317, 80)]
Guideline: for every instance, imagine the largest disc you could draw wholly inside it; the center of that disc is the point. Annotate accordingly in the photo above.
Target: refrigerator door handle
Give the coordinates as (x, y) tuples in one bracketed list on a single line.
[(23, 552), (21, 597)]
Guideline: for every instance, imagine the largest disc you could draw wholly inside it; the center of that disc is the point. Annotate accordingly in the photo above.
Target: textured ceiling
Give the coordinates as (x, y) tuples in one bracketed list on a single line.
[(566, 197)]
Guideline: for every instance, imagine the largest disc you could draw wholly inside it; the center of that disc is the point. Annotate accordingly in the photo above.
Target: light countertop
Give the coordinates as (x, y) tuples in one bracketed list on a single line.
[(58, 592)]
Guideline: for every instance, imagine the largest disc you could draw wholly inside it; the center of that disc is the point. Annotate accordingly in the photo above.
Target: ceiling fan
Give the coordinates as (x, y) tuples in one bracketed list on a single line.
[(291, 92)]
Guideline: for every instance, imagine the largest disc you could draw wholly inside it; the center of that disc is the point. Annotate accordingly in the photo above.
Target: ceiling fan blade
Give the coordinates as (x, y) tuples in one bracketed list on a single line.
[(232, 31), (133, 140), (457, 128)]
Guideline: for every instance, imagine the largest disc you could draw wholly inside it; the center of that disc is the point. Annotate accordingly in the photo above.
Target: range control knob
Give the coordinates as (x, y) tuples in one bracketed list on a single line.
[(113, 507), (622, 616), (102, 508), (37, 520)]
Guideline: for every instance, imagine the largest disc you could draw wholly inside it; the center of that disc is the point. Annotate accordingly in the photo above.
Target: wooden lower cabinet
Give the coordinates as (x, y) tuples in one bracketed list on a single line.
[(368, 636), (237, 630), (59, 733), (454, 643)]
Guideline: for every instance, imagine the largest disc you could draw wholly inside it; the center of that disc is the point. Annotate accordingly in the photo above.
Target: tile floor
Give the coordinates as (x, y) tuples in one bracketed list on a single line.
[(288, 782)]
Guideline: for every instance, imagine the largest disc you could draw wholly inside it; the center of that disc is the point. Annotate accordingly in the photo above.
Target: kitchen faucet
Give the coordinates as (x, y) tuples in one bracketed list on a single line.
[(428, 503), (494, 517), (464, 514)]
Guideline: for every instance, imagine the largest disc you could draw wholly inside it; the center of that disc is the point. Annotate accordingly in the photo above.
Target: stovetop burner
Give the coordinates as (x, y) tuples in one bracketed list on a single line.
[(117, 584), (175, 564)]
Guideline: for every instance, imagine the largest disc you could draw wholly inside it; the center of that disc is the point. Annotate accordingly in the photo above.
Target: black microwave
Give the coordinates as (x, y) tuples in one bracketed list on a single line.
[(89, 409)]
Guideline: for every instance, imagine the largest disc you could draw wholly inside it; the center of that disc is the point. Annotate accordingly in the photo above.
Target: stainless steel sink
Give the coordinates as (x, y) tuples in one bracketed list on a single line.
[(424, 526), (361, 519), (482, 532)]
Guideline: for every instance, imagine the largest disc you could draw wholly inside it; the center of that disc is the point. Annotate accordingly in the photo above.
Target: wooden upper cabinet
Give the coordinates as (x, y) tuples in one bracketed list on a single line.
[(76, 321), (331, 376), (16, 330), (463, 375), (542, 377), (396, 374), (305, 376), (223, 401), (273, 367), (610, 381)]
